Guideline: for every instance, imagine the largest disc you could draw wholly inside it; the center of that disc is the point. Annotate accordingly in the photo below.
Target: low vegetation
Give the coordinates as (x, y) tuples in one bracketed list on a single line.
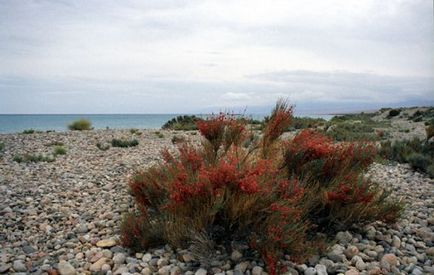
[(274, 195), (26, 158), (393, 113), (2, 146), (103, 147), (176, 139), (124, 143), (307, 122), (80, 125), (30, 131), (159, 134), (419, 154), (59, 150), (184, 123), (135, 132)]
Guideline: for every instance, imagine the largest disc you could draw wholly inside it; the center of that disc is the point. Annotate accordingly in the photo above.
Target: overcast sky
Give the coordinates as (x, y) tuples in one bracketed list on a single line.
[(195, 56)]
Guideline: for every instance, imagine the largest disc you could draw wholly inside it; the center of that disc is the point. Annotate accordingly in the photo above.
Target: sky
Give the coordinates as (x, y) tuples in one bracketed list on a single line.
[(199, 56)]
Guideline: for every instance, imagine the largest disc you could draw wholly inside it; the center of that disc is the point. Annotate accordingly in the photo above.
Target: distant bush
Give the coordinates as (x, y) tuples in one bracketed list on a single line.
[(2, 146), (393, 113), (307, 122), (59, 150), (350, 131), (55, 143), (80, 125), (159, 134), (184, 122), (178, 139), (32, 158), (29, 131), (135, 132), (103, 147), (273, 195), (429, 129), (419, 154), (124, 143)]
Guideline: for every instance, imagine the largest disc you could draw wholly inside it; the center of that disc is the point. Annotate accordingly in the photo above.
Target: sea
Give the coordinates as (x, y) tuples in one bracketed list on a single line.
[(13, 123)]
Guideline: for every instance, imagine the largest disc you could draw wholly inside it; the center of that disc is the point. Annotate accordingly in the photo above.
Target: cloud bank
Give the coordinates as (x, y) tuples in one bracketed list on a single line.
[(194, 56)]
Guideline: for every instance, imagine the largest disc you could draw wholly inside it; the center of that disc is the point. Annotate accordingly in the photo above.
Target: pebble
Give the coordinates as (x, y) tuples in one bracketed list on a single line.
[(19, 266), (65, 268)]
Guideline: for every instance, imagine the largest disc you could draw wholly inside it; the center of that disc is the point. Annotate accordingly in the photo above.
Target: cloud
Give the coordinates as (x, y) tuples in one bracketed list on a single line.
[(154, 54)]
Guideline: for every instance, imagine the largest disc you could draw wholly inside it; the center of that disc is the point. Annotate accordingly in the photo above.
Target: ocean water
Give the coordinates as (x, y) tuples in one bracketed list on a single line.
[(18, 123)]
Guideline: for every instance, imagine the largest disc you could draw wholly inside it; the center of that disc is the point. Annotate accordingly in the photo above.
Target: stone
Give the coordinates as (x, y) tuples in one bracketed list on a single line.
[(176, 270), (336, 256), (187, 257), (388, 261), (257, 270), (165, 270), (162, 262), (105, 268), (236, 255), (119, 258), (65, 268), (147, 257), (351, 251), (321, 269), (28, 249), (242, 267), (4, 267), (122, 270), (96, 266), (344, 237), (351, 272), (106, 243), (200, 271), (430, 251), (310, 271), (396, 242), (19, 266)]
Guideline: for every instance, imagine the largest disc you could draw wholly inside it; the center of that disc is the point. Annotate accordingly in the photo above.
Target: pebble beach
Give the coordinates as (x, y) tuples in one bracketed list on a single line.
[(63, 217)]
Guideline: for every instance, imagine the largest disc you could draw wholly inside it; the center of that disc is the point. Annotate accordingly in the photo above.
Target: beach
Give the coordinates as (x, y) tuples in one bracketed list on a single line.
[(63, 216)]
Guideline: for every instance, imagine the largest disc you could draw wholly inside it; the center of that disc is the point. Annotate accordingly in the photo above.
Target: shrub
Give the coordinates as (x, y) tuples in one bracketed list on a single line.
[(59, 150), (2, 146), (393, 113), (430, 130), (32, 158), (29, 131), (124, 143), (419, 154), (80, 125), (178, 139), (307, 122), (103, 147), (55, 143), (269, 194), (135, 132), (419, 162), (184, 122)]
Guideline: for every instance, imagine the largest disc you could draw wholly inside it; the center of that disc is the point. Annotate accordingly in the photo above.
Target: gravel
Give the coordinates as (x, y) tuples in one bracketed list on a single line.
[(64, 216)]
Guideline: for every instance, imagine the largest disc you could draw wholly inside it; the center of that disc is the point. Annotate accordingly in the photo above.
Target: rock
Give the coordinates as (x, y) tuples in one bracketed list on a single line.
[(257, 270), (4, 267), (236, 255), (351, 251), (106, 243), (200, 271), (344, 237), (321, 269), (396, 242), (65, 268), (105, 268), (119, 258), (310, 271), (28, 249), (430, 251), (388, 261), (146, 271), (336, 256), (147, 257), (187, 257), (176, 270), (122, 270), (165, 270), (95, 267), (162, 262), (19, 266), (352, 272), (242, 267)]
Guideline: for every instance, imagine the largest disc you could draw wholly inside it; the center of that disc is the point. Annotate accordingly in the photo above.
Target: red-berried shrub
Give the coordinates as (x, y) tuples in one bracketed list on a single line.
[(271, 194)]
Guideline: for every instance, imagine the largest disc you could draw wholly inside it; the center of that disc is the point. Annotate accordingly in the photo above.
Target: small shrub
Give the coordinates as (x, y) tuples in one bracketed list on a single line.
[(159, 134), (135, 132), (393, 113), (103, 147), (55, 143), (184, 123), (178, 139), (124, 143), (419, 162), (429, 130), (59, 150), (28, 131), (2, 146), (80, 125), (26, 158)]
